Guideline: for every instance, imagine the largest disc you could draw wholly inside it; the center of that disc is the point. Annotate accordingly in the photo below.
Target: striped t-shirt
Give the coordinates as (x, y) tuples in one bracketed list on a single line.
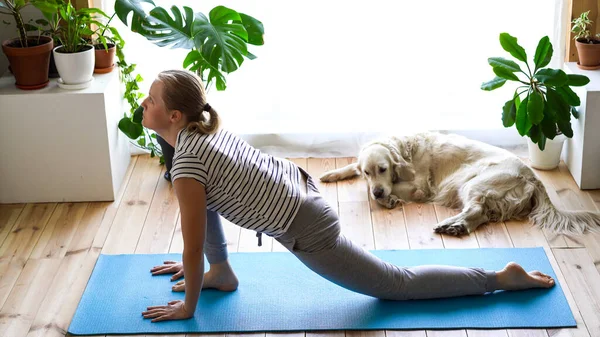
[(247, 187)]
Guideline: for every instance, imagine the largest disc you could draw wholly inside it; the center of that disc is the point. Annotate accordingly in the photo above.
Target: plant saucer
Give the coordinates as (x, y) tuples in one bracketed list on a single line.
[(77, 86), (588, 67), (104, 70)]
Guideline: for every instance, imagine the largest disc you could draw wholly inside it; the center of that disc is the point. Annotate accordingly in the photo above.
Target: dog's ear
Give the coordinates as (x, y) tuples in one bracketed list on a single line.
[(403, 172)]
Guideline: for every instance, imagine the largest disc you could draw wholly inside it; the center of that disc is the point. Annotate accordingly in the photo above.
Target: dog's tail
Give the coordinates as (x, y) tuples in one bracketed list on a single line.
[(546, 215), (346, 172)]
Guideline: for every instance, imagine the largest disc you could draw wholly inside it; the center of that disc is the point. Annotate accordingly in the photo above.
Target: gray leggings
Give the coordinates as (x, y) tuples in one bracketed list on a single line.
[(314, 238)]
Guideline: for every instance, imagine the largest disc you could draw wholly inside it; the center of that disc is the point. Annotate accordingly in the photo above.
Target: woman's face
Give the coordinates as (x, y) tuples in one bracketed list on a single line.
[(156, 116)]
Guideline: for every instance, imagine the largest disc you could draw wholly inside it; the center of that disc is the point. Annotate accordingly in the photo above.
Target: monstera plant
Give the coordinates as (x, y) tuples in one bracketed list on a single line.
[(217, 44)]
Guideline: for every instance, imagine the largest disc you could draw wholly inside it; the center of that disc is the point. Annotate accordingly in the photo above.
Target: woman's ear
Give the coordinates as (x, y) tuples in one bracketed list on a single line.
[(403, 172), (175, 116)]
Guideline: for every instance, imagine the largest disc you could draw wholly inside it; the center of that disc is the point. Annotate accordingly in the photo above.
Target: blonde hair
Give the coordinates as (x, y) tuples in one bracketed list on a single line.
[(184, 91)]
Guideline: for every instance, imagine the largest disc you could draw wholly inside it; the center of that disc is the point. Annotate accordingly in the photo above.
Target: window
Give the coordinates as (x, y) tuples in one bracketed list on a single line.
[(331, 67)]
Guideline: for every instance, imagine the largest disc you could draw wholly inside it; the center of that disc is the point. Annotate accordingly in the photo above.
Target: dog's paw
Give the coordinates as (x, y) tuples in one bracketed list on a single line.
[(391, 201), (329, 177), (455, 229)]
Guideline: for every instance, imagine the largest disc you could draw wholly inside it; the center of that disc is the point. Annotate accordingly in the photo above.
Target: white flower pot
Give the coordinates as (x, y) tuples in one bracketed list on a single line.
[(550, 157), (75, 68)]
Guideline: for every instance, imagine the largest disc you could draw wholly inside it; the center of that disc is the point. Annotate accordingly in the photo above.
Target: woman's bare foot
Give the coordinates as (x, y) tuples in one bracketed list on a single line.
[(220, 276), (514, 277)]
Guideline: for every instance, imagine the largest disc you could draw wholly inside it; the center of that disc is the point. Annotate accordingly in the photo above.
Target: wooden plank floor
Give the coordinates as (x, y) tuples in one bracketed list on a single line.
[(48, 251)]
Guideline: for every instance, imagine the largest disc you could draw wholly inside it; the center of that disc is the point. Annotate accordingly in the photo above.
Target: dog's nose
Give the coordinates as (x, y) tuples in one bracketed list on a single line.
[(378, 192)]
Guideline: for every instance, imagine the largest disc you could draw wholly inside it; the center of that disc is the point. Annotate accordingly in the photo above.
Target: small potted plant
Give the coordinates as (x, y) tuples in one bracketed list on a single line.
[(106, 47), (541, 107), (75, 58), (28, 56), (49, 26), (588, 45)]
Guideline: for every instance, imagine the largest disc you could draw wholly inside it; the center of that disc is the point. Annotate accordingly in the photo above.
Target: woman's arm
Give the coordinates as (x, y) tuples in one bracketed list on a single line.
[(192, 205)]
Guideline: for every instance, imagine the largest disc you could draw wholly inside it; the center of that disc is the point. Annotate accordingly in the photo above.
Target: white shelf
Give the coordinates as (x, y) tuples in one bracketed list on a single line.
[(60, 145), (582, 152)]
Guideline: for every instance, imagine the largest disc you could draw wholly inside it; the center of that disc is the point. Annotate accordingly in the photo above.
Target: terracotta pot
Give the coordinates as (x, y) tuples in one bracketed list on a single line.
[(105, 59), (589, 54), (29, 65)]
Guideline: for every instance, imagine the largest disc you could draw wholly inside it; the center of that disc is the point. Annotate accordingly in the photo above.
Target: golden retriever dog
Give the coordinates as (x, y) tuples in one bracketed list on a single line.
[(485, 182)]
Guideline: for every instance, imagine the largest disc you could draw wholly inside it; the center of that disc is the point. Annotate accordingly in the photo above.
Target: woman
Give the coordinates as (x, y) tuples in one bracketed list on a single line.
[(216, 173)]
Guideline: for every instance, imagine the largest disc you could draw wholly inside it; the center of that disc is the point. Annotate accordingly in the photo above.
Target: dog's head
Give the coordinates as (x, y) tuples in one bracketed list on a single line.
[(383, 164)]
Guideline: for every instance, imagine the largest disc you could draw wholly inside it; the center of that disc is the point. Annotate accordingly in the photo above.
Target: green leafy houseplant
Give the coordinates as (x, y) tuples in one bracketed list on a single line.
[(581, 29), (77, 26), (588, 45), (102, 38), (542, 105), (27, 55), (50, 26), (217, 45)]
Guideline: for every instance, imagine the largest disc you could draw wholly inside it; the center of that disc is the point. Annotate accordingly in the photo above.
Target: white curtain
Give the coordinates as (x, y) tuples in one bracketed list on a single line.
[(333, 75)]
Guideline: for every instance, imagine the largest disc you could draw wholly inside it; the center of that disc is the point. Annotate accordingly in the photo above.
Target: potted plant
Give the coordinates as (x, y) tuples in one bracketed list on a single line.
[(541, 107), (75, 58), (588, 45), (28, 56), (105, 47), (224, 29), (50, 26)]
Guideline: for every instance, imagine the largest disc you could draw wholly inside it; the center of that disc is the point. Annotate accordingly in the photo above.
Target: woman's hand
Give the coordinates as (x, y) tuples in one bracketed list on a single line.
[(179, 286), (169, 267), (174, 310)]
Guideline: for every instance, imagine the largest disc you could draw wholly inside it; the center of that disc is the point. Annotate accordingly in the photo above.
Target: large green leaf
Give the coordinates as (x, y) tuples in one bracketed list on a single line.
[(131, 129), (195, 62), (543, 53), (565, 128), (558, 104), (548, 123), (500, 62), (255, 29), (47, 7), (569, 96), (523, 123), (504, 73), (124, 7), (553, 77), (166, 30), (535, 108), (507, 118), (534, 133), (510, 44), (542, 142), (138, 115), (496, 83), (221, 39), (577, 80)]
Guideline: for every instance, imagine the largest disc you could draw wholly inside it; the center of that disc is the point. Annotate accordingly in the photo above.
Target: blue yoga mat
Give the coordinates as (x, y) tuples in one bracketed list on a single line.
[(278, 293)]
